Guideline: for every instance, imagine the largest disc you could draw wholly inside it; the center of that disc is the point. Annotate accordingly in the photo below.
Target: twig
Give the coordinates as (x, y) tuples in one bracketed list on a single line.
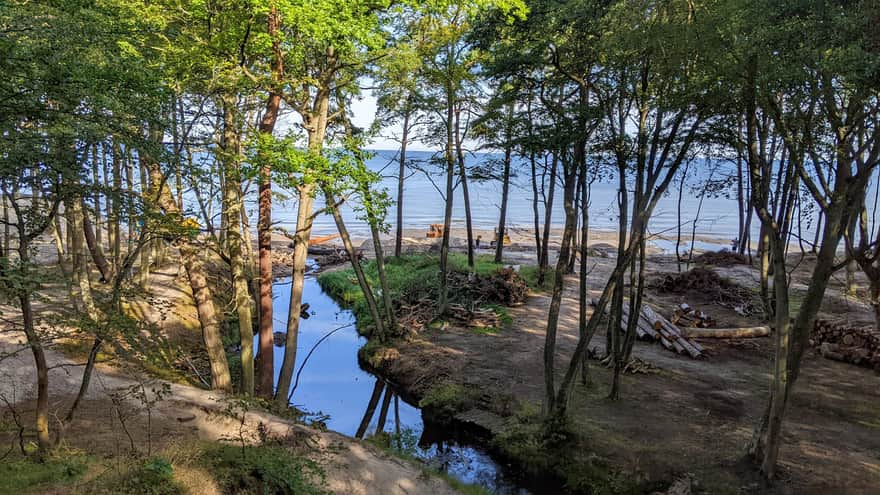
[(299, 372)]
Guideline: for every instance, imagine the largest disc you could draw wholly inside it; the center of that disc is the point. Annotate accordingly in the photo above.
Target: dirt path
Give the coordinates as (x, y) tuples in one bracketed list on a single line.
[(692, 416), (188, 413)]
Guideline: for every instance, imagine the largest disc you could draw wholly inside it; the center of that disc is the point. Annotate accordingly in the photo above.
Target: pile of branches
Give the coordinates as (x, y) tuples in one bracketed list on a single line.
[(704, 284), (840, 342), (414, 315), (504, 287), (417, 306), (721, 258)]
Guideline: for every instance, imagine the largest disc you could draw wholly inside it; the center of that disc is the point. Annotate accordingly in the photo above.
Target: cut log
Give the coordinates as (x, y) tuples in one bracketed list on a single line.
[(672, 332), (727, 333)]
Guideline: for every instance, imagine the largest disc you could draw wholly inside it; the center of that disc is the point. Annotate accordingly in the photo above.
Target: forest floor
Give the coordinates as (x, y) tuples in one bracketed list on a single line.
[(685, 418), (113, 426)]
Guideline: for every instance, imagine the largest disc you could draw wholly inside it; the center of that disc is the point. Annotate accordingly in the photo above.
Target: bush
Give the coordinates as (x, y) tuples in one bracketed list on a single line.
[(154, 477), (264, 469)]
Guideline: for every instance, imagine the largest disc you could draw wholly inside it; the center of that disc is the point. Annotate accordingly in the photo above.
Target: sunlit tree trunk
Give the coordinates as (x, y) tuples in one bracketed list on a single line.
[(232, 203), (198, 281), (266, 378)]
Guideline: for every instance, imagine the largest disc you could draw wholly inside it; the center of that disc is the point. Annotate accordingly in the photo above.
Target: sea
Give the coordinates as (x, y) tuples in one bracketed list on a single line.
[(706, 205)]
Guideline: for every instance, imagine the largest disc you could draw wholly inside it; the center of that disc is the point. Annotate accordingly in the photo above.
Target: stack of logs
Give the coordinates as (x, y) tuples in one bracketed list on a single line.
[(652, 326), (856, 345)]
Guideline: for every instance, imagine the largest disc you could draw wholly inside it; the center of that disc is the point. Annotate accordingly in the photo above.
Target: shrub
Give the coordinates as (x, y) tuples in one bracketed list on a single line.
[(264, 469)]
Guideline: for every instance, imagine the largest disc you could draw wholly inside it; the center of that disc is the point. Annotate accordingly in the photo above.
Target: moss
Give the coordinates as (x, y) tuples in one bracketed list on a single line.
[(445, 400)]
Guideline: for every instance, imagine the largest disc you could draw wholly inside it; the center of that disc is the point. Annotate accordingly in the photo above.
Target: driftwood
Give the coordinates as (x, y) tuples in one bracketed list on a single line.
[(727, 333)]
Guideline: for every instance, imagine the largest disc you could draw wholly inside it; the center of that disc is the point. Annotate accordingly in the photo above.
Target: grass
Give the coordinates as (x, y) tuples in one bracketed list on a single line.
[(411, 276), (530, 274), (23, 475), (447, 399)]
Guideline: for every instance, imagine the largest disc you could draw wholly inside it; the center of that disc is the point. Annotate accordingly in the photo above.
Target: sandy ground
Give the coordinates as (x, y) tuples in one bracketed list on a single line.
[(690, 416), (188, 413)]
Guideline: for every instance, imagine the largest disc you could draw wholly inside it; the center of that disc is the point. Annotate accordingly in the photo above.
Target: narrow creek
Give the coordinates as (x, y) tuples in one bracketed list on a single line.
[(334, 389)]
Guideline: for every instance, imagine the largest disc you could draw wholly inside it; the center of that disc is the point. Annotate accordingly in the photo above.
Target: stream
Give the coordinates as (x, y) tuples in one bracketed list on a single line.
[(334, 389)]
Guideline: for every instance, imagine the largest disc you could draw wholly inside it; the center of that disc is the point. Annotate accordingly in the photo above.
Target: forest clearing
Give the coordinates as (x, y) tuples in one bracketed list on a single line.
[(500, 247)]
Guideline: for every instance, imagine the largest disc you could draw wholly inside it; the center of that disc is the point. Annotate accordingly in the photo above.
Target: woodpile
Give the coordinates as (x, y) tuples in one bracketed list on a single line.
[(686, 316), (840, 342), (652, 326)]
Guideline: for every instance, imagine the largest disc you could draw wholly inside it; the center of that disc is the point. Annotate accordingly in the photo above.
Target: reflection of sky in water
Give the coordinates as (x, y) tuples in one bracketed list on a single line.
[(332, 383)]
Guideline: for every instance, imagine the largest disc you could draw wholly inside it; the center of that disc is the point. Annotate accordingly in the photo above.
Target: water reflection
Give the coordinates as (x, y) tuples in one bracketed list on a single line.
[(331, 385)]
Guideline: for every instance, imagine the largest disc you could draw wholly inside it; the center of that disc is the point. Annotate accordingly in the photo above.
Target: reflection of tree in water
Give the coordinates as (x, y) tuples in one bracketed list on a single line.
[(378, 388), (433, 444)]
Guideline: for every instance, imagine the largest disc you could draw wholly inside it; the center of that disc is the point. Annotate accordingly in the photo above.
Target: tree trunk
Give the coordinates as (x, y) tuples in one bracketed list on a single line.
[(544, 259), (383, 281), (232, 206), (584, 270), (505, 191), (462, 171), (364, 284), (298, 275), (42, 409), (95, 247), (266, 358), (556, 298), (115, 216), (398, 237), (447, 215), (198, 281)]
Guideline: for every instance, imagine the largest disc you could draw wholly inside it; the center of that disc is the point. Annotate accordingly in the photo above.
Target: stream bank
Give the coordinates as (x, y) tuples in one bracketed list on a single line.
[(336, 392)]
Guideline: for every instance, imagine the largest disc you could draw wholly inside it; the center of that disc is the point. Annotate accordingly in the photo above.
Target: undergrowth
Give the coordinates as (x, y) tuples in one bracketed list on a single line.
[(20, 474), (263, 469)]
